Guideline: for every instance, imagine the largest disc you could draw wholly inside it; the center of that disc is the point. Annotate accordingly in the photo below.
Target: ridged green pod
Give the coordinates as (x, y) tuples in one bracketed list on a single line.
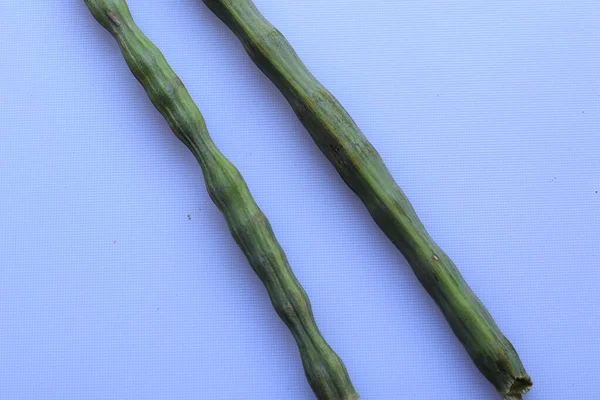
[(361, 167), (324, 370)]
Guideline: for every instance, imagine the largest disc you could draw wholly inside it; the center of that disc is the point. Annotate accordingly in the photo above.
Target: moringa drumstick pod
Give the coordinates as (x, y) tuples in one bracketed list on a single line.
[(250, 228), (361, 167)]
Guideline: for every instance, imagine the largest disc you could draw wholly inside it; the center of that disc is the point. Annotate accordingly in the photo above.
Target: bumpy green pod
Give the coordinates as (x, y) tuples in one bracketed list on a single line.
[(361, 167), (248, 225)]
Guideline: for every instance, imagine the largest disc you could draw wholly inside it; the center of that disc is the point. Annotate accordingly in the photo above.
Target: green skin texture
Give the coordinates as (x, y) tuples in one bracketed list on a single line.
[(250, 228), (362, 168)]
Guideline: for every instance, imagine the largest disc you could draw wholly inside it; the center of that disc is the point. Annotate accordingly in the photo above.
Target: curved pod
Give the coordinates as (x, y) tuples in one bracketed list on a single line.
[(250, 228)]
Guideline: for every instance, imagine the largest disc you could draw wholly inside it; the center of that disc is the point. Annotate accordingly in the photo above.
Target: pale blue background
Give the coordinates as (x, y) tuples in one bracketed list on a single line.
[(487, 113)]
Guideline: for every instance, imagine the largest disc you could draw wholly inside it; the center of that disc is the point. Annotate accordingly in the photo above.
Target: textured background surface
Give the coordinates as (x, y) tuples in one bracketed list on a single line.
[(119, 279)]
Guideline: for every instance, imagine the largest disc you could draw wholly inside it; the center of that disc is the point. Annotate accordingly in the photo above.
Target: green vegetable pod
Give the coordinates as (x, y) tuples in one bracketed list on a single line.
[(324, 370), (361, 167)]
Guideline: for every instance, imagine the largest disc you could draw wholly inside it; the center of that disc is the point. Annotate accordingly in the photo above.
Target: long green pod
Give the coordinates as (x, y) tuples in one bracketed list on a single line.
[(361, 167), (248, 225)]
